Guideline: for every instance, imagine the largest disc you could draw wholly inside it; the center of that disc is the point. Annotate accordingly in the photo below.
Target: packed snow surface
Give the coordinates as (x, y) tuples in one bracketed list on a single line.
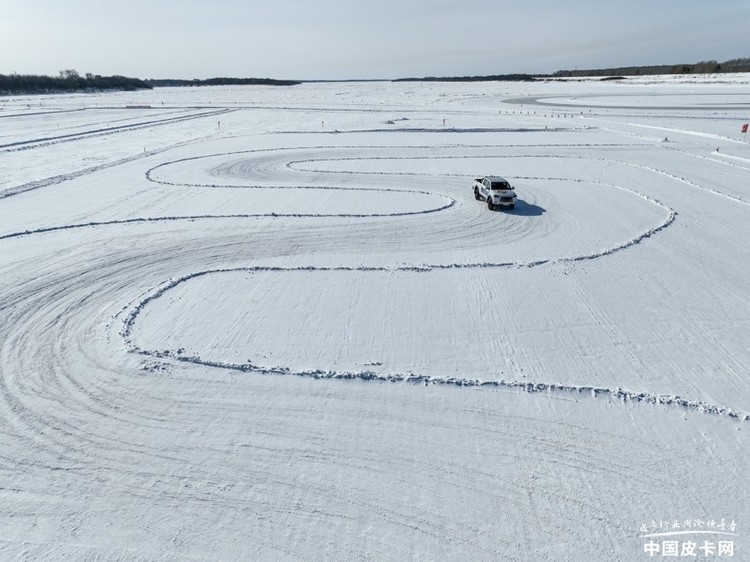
[(258, 323)]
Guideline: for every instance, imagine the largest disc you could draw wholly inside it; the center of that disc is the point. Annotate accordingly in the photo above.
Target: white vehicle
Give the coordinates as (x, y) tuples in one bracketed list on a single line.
[(496, 191)]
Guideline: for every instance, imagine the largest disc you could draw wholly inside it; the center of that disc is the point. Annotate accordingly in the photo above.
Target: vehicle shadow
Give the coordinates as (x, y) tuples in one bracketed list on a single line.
[(525, 209)]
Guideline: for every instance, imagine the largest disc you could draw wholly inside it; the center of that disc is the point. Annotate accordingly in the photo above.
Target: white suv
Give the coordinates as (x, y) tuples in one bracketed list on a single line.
[(496, 191)]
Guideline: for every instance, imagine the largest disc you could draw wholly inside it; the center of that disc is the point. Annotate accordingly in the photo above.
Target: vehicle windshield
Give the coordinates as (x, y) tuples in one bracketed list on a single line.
[(503, 185)]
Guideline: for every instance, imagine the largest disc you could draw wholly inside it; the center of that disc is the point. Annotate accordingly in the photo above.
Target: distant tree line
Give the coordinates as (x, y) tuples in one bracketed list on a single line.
[(704, 67), (222, 82), (68, 81), (493, 78)]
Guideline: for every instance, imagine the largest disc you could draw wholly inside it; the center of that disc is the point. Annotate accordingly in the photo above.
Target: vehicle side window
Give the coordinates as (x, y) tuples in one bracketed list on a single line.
[(485, 181)]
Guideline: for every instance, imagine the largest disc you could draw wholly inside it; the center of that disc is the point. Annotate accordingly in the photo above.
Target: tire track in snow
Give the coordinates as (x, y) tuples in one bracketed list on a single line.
[(46, 141), (534, 156), (192, 218), (67, 432), (622, 395), (366, 375), (71, 445), (670, 217), (449, 201), (54, 180), (688, 182)]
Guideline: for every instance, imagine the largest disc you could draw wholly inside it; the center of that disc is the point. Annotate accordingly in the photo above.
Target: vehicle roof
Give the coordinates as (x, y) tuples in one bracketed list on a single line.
[(497, 179)]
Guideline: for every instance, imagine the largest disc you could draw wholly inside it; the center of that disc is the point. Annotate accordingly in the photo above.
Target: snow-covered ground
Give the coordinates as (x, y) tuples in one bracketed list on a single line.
[(246, 323)]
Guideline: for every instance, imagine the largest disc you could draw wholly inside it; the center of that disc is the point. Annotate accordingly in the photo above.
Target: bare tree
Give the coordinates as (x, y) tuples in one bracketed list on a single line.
[(69, 74)]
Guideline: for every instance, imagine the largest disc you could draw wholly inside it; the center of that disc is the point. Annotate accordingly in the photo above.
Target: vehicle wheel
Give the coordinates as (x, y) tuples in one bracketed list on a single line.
[(476, 195), (490, 206)]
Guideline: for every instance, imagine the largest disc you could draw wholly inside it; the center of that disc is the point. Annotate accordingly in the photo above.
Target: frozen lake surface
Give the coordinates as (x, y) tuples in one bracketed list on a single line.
[(273, 323)]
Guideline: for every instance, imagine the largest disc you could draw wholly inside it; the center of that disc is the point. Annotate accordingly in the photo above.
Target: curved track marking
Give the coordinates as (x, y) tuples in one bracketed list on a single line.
[(529, 387), (130, 319)]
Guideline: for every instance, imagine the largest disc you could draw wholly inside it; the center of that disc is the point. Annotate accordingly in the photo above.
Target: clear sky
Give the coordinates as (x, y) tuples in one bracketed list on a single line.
[(340, 39)]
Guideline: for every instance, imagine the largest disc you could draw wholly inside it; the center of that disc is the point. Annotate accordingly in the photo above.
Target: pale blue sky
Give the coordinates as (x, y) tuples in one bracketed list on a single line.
[(338, 39)]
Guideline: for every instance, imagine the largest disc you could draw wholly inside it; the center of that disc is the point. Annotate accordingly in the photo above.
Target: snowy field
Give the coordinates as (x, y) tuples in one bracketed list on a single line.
[(258, 323)]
